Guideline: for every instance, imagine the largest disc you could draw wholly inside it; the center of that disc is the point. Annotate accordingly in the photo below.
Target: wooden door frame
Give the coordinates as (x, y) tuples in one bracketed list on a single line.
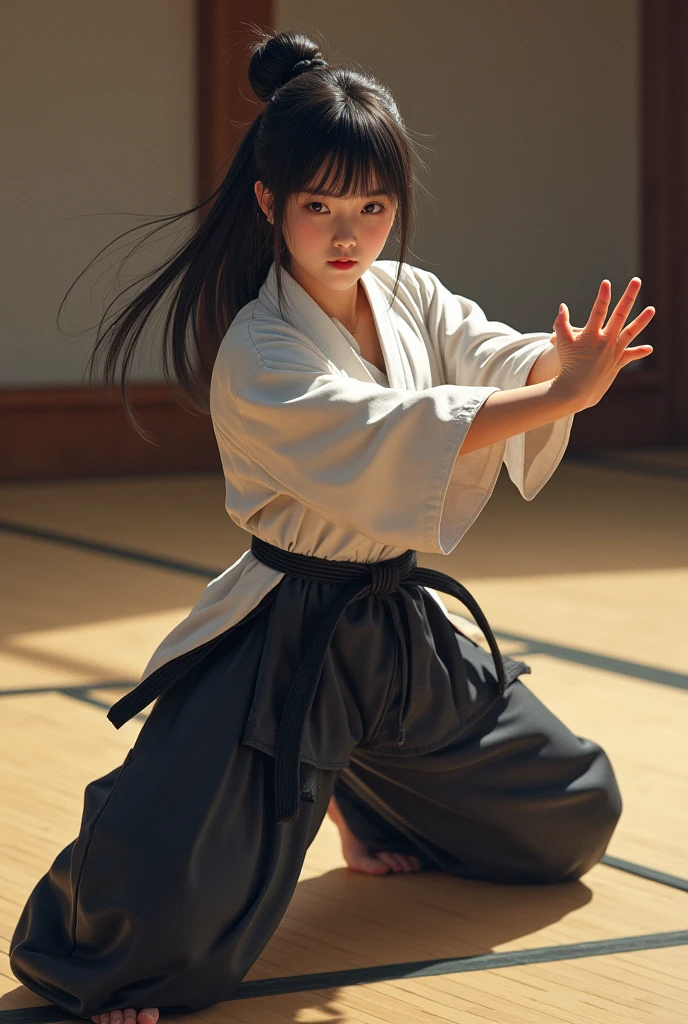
[(664, 164), (646, 404), (225, 105)]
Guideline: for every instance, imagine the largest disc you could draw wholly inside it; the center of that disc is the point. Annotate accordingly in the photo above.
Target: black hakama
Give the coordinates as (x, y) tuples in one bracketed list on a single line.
[(347, 679)]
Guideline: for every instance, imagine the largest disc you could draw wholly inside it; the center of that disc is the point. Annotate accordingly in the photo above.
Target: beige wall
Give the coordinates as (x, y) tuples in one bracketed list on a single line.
[(533, 112), (98, 115)]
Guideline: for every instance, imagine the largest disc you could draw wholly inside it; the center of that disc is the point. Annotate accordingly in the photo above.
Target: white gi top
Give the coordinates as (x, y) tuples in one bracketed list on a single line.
[(325, 455)]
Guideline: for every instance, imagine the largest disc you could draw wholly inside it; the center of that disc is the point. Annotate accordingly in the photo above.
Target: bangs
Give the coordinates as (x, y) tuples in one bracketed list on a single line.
[(355, 158)]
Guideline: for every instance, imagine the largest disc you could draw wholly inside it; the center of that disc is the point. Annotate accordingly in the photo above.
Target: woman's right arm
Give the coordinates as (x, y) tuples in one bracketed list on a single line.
[(506, 413), (589, 363)]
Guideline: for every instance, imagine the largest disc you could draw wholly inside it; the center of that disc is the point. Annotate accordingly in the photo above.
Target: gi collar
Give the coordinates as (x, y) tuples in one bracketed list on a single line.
[(304, 314)]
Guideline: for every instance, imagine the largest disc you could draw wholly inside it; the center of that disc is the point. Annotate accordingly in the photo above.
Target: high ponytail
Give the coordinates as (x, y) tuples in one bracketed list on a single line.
[(318, 120)]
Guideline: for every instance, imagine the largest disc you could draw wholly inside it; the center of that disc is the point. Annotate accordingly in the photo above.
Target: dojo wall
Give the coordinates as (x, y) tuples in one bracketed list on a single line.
[(98, 114), (533, 114)]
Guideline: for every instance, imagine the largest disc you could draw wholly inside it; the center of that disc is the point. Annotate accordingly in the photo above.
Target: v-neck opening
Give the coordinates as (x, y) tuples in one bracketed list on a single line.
[(378, 330), (378, 375)]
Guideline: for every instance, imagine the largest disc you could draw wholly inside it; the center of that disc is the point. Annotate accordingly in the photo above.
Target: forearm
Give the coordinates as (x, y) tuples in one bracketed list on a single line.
[(506, 413), (545, 367)]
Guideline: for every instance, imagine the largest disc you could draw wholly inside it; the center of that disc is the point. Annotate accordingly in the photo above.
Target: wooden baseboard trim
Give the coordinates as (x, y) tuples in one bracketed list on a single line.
[(58, 432)]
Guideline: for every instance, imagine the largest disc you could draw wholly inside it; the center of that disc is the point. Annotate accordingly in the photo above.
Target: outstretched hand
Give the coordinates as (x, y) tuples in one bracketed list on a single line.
[(590, 357)]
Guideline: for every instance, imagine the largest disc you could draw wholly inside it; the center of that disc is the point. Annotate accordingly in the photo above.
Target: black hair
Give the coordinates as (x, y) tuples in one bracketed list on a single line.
[(321, 121)]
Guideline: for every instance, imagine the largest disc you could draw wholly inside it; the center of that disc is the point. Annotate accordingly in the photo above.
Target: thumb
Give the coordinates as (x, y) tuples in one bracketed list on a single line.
[(561, 324)]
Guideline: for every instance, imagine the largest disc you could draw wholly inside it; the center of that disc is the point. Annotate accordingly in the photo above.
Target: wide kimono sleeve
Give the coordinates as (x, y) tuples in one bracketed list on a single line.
[(475, 351), (377, 460)]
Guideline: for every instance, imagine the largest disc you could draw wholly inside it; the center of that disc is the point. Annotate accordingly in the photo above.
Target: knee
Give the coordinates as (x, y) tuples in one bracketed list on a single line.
[(584, 833)]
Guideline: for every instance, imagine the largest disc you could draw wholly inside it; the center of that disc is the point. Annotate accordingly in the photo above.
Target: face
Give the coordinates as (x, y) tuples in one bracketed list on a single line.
[(319, 229)]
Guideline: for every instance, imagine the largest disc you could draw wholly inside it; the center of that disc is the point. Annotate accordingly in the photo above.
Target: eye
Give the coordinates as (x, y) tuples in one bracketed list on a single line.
[(316, 202)]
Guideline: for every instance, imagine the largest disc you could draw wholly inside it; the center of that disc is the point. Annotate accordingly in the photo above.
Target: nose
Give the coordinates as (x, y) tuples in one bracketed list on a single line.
[(343, 235)]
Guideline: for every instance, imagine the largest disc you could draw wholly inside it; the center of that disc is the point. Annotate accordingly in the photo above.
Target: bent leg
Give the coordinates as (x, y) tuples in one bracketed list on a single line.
[(516, 798), (180, 873)]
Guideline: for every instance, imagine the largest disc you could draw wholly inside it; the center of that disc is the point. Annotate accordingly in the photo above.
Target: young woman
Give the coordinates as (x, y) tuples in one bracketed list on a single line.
[(362, 413)]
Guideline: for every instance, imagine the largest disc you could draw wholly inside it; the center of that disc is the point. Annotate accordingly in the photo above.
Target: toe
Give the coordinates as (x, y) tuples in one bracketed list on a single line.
[(369, 865), (412, 863), (376, 866), (400, 861), (390, 858)]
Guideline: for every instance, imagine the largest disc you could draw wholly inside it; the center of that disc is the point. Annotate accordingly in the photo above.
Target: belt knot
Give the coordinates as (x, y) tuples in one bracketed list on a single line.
[(385, 577)]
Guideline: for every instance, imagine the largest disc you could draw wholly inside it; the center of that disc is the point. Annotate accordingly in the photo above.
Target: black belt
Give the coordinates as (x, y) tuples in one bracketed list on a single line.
[(376, 578)]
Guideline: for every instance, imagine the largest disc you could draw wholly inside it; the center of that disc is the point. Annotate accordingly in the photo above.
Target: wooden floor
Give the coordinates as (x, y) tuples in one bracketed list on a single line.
[(587, 583)]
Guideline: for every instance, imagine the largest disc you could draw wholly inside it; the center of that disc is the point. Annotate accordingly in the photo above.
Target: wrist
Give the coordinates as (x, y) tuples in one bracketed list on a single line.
[(567, 393)]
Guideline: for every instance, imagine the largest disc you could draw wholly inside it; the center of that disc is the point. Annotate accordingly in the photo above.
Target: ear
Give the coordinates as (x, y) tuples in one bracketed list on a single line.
[(264, 197)]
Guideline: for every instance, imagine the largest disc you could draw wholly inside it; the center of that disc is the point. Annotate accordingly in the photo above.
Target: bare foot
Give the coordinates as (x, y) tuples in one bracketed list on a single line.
[(147, 1016), (359, 857)]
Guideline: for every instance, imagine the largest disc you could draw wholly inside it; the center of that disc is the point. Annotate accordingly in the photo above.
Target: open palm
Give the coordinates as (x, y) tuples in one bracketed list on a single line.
[(590, 357)]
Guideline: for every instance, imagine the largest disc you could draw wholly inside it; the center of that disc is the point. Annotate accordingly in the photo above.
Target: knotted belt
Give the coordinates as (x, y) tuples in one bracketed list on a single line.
[(376, 578)]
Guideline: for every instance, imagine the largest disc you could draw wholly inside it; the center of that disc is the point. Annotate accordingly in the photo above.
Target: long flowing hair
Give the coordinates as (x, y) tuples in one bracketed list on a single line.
[(319, 121)]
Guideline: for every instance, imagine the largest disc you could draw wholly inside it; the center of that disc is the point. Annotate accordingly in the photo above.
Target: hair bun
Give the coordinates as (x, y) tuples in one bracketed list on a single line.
[(277, 59), (303, 65)]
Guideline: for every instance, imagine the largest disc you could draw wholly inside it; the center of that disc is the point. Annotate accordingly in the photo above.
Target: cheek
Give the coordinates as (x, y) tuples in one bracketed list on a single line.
[(379, 229), (304, 231), (384, 224)]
